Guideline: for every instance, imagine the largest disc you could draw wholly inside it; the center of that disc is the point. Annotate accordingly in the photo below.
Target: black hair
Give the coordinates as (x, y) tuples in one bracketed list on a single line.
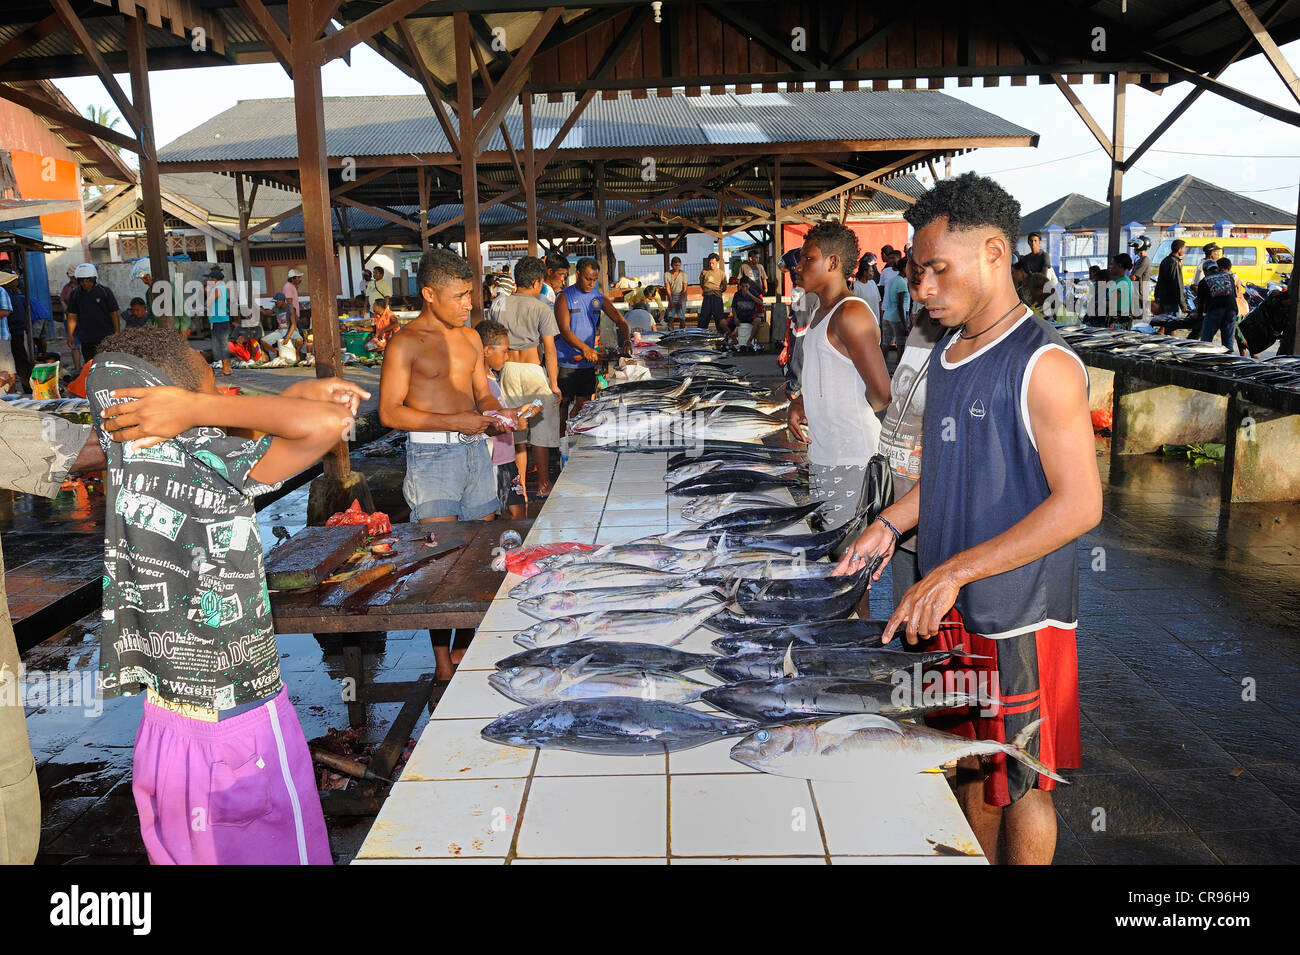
[(835, 238), (1176, 245), (379, 268), (528, 270), (554, 260), (138, 301), (968, 201), (442, 267), (711, 255), (1208, 246), (381, 301), (1034, 235), (164, 348), (587, 262), (1019, 265), (677, 259), (492, 333), (1225, 263), (1123, 260)]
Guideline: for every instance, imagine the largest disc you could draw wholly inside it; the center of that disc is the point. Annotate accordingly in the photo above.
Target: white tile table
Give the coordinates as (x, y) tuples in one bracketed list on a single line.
[(463, 799)]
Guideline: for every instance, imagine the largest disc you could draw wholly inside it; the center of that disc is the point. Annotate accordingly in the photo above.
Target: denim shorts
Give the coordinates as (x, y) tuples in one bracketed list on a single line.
[(221, 341), (450, 480)]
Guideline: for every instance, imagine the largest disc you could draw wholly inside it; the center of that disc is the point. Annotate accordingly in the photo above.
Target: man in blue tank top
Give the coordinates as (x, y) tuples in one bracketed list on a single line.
[(1008, 483), (577, 312)]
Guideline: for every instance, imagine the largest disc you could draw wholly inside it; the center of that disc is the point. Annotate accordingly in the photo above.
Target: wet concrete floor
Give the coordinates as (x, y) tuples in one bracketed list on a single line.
[(1189, 664)]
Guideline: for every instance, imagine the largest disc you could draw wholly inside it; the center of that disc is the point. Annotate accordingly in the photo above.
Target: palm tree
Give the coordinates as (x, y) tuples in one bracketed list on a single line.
[(108, 117)]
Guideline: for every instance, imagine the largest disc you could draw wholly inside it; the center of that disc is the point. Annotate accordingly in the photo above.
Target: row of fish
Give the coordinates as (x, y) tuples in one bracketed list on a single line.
[(808, 686)]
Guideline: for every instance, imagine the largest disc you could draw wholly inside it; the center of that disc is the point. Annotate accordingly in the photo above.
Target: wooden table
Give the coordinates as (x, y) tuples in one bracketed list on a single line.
[(424, 591)]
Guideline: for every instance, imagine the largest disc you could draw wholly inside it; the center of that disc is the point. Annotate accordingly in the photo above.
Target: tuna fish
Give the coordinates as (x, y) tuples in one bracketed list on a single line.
[(799, 697), (826, 633), (594, 576), (600, 653), (564, 603), (582, 681), (667, 627), (867, 747), (855, 663), (613, 725), (764, 519)]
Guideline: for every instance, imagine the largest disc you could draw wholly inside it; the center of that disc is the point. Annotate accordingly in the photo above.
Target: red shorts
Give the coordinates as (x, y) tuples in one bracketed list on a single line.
[(1035, 676)]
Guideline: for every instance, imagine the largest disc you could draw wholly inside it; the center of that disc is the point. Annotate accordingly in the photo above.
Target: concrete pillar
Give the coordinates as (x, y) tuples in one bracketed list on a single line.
[(1262, 448), (1147, 415), (1101, 389), (1223, 228)]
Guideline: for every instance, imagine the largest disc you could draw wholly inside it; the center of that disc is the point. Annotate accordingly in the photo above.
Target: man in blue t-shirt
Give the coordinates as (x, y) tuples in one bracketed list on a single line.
[(577, 312)]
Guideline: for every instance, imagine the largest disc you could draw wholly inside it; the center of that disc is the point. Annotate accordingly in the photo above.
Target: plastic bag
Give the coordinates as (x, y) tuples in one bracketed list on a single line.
[(45, 380)]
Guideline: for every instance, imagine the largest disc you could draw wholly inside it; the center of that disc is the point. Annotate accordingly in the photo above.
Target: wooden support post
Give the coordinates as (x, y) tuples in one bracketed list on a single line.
[(668, 252), (313, 179), (423, 180), (1116, 191), (530, 175), (602, 246), (347, 252), (245, 210), (777, 236), (468, 160), (1287, 345), (150, 185), (720, 260)]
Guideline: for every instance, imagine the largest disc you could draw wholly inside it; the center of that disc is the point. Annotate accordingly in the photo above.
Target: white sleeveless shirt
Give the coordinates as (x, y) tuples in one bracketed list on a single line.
[(843, 430)]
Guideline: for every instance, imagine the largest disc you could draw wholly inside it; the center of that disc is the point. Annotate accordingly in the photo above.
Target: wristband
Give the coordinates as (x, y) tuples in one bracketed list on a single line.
[(892, 529)]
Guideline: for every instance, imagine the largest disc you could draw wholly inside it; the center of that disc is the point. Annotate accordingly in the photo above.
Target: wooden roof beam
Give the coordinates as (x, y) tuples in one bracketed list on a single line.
[(269, 30), (72, 120), (359, 31), (72, 23), (1274, 55), (507, 88), (777, 46), (631, 30), (30, 37)]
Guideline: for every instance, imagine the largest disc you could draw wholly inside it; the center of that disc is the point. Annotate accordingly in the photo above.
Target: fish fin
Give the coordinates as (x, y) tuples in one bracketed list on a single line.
[(787, 665), (577, 666), (960, 651), (844, 726), (1016, 749), (761, 593)]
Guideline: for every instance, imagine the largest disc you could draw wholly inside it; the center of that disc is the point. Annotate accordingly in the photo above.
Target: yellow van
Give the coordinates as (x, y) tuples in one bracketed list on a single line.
[(1259, 261)]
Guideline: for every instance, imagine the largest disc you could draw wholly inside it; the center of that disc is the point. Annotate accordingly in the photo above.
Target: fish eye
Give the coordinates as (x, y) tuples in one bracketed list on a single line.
[(762, 736)]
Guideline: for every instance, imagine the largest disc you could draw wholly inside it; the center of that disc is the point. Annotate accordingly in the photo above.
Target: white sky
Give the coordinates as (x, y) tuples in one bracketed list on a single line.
[(1216, 140)]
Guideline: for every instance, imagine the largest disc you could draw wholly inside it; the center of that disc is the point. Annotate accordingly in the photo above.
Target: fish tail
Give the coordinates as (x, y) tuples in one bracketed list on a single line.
[(1017, 750)]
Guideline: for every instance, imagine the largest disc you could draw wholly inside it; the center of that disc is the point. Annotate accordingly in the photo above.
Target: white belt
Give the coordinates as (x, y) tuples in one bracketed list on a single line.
[(443, 437)]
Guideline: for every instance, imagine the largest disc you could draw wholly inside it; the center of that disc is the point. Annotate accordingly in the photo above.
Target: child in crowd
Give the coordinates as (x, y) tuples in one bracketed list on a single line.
[(385, 323), (137, 313), (510, 491), (221, 772)]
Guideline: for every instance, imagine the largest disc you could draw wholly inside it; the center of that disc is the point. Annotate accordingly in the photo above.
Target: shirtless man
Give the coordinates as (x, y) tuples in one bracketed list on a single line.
[(434, 385)]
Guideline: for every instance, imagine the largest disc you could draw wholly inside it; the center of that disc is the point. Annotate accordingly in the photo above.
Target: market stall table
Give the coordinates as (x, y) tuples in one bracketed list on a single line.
[(436, 586), (464, 799)]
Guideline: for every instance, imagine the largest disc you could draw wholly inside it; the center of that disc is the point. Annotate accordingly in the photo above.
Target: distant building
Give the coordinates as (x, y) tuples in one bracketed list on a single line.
[(1075, 228)]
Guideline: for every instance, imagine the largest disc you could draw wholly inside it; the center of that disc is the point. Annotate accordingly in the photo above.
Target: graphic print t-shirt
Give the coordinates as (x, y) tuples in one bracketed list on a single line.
[(186, 610)]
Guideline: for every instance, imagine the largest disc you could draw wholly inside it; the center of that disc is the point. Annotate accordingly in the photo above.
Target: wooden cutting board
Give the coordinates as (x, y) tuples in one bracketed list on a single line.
[(311, 555)]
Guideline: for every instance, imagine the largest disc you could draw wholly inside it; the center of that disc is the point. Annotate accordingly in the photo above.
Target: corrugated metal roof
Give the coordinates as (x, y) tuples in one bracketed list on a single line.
[(702, 210), (1194, 202), (393, 125)]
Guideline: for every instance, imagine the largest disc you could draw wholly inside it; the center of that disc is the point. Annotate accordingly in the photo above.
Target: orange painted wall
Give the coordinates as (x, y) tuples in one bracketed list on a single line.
[(29, 142), (871, 236)]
